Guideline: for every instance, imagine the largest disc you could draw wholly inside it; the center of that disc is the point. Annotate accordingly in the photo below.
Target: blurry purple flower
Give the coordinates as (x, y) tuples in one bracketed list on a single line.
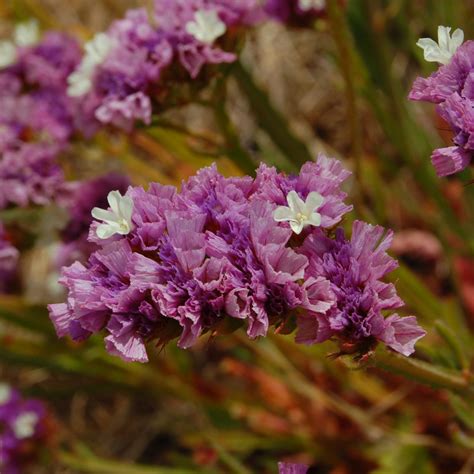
[(452, 88), (288, 468), (8, 261), (23, 430), (29, 175), (296, 12)]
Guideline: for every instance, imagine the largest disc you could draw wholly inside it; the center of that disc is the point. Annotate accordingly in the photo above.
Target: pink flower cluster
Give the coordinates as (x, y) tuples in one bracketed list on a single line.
[(218, 255)]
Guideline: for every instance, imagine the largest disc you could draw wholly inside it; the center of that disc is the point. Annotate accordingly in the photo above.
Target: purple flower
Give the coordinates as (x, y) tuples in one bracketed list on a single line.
[(296, 12), (288, 468), (354, 269), (34, 105), (29, 175), (452, 88), (23, 430), (8, 261), (212, 256), (129, 69)]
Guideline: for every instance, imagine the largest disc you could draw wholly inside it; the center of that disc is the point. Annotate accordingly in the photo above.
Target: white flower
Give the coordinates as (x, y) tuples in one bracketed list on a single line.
[(27, 34), (299, 213), (24, 426), (7, 54), (206, 26), (96, 52), (116, 221), (5, 393), (307, 5), (443, 51)]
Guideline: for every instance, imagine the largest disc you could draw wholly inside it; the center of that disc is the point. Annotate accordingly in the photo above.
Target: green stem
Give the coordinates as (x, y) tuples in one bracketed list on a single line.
[(351, 73), (270, 120), (423, 372), (102, 466), (234, 149)]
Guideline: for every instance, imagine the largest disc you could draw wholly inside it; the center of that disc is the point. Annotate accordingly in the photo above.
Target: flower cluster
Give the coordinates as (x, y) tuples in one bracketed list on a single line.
[(452, 88), (24, 429), (295, 11), (131, 68), (8, 261), (36, 115), (230, 251)]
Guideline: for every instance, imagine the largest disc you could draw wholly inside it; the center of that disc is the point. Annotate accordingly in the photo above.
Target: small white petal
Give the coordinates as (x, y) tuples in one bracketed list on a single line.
[(206, 26), (282, 214), (24, 426), (296, 227), (27, 34), (5, 393), (295, 202), (105, 231), (126, 208), (314, 219), (7, 54), (103, 215), (114, 198), (314, 201)]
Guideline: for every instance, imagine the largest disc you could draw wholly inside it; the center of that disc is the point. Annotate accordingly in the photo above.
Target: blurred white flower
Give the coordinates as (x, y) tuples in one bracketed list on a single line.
[(7, 53), (307, 5), (24, 426), (27, 33), (96, 52), (206, 26)]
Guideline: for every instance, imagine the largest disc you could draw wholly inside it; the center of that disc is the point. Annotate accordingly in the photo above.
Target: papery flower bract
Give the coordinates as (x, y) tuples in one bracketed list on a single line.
[(206, 26), (116, 221), (355, 268), (442, 51)]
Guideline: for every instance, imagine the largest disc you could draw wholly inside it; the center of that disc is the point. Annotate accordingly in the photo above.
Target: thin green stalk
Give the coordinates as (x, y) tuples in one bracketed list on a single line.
[(351, 73), (104, 466), (234, 148), (423, 372), (270, 120)]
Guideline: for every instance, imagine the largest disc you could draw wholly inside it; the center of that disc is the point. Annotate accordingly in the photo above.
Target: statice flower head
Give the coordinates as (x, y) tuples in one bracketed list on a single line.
[(355, 268), (295, 12), (8, 261), (217, 254), (29, 175), (130, 68), (24, 430), (451, 87)]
